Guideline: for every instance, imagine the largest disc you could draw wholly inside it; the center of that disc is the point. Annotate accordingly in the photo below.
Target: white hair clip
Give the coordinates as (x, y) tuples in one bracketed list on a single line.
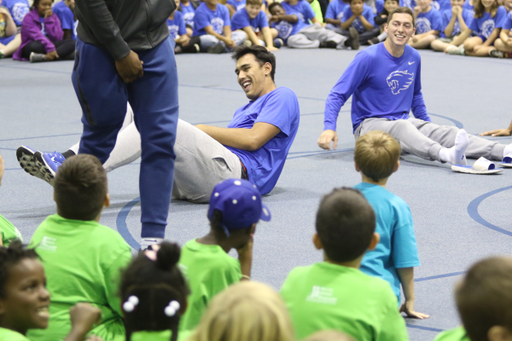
[(130, 304), (172, 308)]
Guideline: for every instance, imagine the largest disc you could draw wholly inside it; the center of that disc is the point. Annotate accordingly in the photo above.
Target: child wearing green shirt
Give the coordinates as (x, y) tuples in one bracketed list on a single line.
[(484, 302), (82, 258), (335, 294), (235, 208), (24, 299)]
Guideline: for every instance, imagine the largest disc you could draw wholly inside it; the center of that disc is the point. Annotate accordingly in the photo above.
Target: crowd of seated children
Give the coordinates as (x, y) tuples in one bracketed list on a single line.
[(10, 39), (178, 31), (455, 21), (253, 21), (82, 258), (376, 157), (42, 36), (428, 24), (359, 17)]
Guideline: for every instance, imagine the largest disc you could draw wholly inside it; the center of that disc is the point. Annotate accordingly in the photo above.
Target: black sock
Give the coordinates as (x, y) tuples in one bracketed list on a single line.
[(68, 153)]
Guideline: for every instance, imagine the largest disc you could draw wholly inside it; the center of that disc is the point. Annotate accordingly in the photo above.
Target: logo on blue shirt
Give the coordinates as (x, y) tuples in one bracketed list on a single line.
[(19, 10), (218, 25), (284, 29), (399, 80), (422, 25), (487, 27)]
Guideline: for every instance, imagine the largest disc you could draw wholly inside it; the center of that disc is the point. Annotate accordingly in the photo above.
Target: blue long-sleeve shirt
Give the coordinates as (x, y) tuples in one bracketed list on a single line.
[(383, 86)]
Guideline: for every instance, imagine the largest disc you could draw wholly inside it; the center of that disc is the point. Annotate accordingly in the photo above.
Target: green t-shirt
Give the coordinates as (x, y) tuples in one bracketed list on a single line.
[(8, 231), (82, 262), (329, 296), (457, 334), (315, 5), (11, 335), (209, 270)]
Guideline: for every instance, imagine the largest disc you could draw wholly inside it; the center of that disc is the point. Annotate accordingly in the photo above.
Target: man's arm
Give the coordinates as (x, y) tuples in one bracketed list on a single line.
[(499, 132), (242, 138), (418, 104)]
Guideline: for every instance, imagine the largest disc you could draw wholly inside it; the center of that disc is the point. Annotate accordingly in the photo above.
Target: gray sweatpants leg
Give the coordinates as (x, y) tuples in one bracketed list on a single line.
[(425, 139), (312, 35), (201, 163)]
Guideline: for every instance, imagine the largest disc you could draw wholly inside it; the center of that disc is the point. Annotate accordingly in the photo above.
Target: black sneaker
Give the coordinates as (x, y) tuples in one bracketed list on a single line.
[(217, 49), (374, 41), (328, 44), (353, 40), (25, 156)]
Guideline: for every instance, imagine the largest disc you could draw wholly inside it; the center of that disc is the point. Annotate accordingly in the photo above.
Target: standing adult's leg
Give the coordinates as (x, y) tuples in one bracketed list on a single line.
[(154, 100)]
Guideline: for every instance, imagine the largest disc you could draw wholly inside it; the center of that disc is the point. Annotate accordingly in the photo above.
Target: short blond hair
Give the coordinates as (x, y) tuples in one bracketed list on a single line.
[(329, 335), (377, 154), (254, 2), (248, 311)]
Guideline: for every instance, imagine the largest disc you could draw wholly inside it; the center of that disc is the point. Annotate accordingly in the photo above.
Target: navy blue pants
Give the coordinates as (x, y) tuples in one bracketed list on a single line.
[(154, 98)]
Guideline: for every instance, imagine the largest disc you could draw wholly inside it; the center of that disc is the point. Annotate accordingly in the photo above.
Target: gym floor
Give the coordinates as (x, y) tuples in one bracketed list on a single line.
[(459, 218)]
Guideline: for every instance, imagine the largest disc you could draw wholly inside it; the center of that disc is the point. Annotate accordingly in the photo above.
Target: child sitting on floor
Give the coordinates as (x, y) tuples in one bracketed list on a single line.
[(335, 294), (429, 24), (455, 20), (359, 17)]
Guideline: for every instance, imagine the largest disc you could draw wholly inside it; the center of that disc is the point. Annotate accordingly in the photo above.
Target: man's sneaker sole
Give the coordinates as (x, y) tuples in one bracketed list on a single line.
[(27, 161), (46, 171)]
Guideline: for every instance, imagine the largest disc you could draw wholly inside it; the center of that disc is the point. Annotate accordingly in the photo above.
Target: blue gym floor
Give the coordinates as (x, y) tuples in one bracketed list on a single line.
[(458, 218)]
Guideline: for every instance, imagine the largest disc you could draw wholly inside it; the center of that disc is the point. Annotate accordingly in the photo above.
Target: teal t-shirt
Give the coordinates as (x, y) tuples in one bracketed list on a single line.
[(8, 231), (11, 335), (326, 296), (397, 247), (82, 262), (456, 334), (208, 270)]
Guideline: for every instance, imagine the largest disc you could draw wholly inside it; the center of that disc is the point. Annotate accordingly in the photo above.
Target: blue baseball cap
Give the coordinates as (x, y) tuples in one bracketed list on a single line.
[(239, 201)]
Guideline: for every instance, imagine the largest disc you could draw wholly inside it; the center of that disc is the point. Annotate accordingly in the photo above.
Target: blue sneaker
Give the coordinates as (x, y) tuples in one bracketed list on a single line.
[(48, 164), (25, 156), (278, 42)]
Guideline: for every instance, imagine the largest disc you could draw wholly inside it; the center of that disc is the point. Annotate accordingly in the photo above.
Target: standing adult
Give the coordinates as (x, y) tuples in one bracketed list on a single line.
[(386, 82), (124, 54)]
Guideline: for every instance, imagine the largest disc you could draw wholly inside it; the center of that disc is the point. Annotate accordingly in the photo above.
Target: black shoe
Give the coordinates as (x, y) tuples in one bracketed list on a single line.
[(217, 49), (328, 44), (353, 40), (373, 41)]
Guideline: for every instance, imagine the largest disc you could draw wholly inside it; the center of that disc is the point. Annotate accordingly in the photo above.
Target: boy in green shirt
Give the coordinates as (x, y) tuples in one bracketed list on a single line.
[(82, 259), (335, 294), (235, 208), (484, 301)]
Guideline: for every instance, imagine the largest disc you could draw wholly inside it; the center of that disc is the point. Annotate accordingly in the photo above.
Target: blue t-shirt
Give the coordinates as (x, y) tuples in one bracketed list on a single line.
[(447, 16), (335, 10), (281, 109), (357, 23), (383, 86), (379, 5), (469, 7), (241, 19), (286, 29), (429, 21), (486, 24), (177, 25), (303, 9), (66, 17), (442, 5), (217, 19), (397, 247), (237, 4), (18, 9), (508, 23), (188, 14)]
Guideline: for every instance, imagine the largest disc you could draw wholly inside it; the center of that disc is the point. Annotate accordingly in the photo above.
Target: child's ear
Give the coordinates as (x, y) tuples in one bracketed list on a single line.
[(252, 229), (317, 242), (375, 240), (499, 333), (357, 167), (397, 166), (106, 203)]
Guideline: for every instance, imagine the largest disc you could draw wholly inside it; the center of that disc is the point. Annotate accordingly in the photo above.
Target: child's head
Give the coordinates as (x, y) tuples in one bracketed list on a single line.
[(356, 5), (329, 335), (391, 5), (153, 291), (211, 2), (484, 300), (276, 8), (42, 6), (424, 4), (345, 225), (253, 7), (80, 188), (24, 300), (482, 6), (235, 208), (248, 311), (377, 155), (459, 3)]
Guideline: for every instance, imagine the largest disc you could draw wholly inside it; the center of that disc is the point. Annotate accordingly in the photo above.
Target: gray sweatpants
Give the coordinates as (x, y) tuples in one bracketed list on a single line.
[(425, 139), (311, 36)]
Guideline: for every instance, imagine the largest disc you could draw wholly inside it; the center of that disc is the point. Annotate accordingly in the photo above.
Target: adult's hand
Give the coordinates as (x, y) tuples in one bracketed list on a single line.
[(130, 67), (326, 138), (52, 55), (497, 132)]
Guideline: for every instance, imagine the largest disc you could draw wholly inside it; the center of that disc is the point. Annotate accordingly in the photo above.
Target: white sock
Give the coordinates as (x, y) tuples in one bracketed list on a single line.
[(147, 242), (455, 155), (382, 36), (507, 150)]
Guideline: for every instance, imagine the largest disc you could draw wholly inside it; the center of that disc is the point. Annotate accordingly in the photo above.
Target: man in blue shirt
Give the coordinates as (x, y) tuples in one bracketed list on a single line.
[(385, 80)]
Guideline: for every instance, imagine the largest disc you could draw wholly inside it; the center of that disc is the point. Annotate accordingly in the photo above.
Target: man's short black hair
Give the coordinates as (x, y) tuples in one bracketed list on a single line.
[(260, 53), (345, 223)]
